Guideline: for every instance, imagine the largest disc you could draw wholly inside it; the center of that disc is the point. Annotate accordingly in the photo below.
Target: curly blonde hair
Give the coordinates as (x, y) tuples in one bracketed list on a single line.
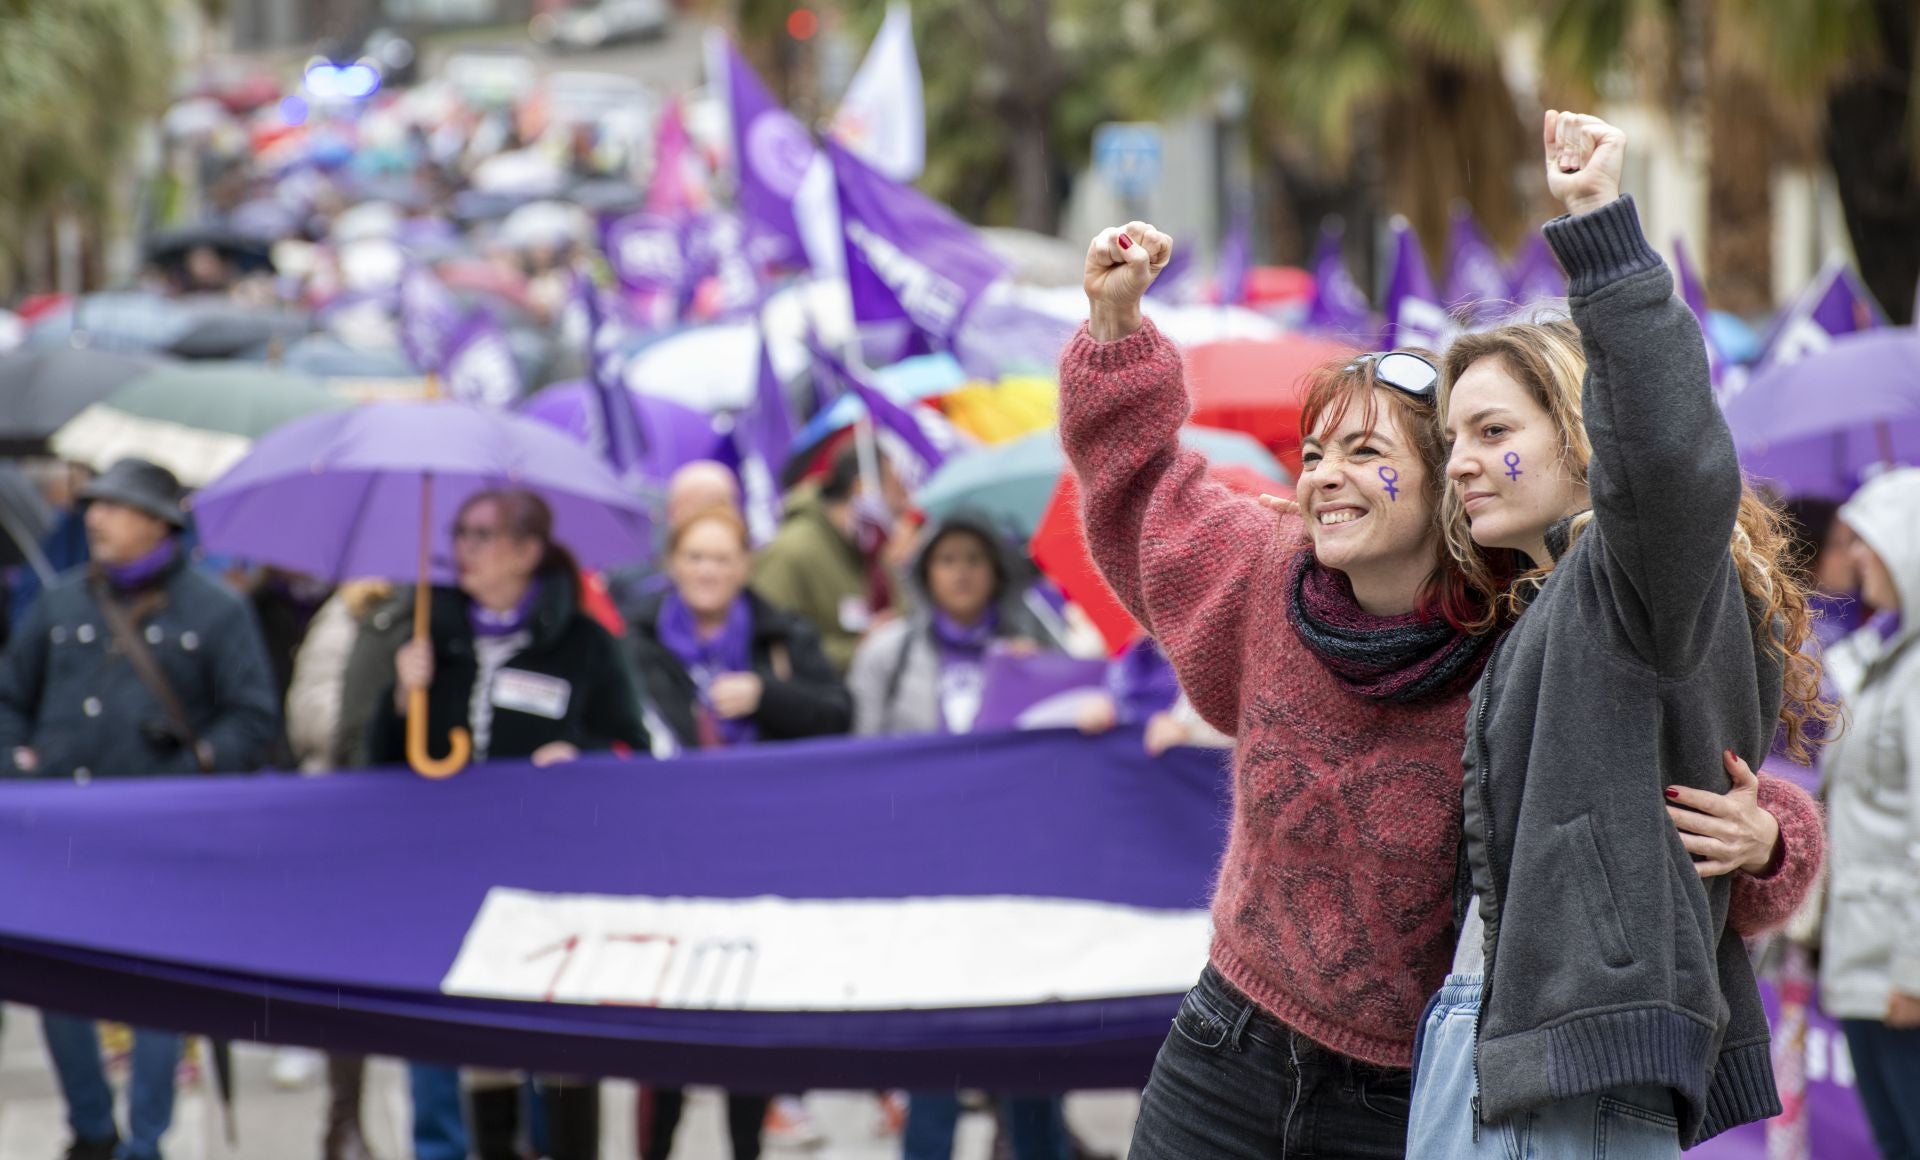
[(1547, 359)]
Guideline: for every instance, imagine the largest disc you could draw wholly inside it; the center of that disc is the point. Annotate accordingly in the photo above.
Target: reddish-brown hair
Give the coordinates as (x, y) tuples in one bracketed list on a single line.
[(716, 514), (1461, 597)]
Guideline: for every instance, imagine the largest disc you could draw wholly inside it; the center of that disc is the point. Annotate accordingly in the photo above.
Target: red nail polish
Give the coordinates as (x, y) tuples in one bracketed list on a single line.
[(1126, 243), (1672, 792)]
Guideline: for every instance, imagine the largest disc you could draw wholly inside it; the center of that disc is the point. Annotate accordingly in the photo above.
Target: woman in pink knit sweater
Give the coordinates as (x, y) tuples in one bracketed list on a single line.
[(1331, 645)]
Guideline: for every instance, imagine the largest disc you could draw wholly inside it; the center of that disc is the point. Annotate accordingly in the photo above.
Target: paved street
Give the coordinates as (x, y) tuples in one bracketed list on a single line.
[(275, 1123)]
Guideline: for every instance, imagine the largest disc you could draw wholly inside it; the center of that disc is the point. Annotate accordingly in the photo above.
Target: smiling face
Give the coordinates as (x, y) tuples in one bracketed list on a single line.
[(1363, 490), (1509, 468)]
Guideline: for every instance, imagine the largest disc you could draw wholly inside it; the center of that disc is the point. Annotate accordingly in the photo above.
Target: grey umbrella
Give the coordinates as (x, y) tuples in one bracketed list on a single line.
[(41, 389)]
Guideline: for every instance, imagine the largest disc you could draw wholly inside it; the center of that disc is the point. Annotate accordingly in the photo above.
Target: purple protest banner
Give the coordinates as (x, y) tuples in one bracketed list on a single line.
[(1041, 691), (1477, 287), (721, 249), (1833, 304), (762, 436), (1339, 307), (479, 363), (909, 259), (429, 318), (771, 149), (377, 912), (1415, 317), (1535, 275)]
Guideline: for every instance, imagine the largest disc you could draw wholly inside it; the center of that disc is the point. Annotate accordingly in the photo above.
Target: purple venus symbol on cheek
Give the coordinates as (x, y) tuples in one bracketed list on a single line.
[(1390, 477), (1512, 460)]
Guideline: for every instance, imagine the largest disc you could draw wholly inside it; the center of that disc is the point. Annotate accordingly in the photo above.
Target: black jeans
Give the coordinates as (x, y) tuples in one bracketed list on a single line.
[(1232, 1083), (1887, 1062)]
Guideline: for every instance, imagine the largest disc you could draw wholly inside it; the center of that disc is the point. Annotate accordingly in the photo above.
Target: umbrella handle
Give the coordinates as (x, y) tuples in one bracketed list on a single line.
[(459, 742)]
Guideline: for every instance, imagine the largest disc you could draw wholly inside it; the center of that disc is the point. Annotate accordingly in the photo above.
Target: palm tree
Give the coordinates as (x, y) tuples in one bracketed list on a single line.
[(78, 78)]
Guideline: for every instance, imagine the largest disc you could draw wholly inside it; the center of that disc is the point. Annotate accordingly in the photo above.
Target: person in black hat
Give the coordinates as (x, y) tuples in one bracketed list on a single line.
[(134, 665)]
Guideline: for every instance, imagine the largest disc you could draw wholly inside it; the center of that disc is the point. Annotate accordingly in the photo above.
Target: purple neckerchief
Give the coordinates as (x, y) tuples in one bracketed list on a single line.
[(1141, 682), (141, 572), (1886, 623), (963, 654), (487, 622), (729, 650)]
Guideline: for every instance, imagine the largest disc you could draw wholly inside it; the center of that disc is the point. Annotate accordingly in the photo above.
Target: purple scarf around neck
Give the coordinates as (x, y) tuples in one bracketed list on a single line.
[(487, 622), (138, 573), (728, 651), (1398, 659)]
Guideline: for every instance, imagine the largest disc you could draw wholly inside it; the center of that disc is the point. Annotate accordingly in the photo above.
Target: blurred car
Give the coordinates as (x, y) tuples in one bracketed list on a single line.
[(590, 26), (490, 80)]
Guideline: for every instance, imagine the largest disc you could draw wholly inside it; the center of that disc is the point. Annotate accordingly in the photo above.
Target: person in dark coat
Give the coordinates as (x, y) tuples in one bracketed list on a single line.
[(515, 662), (722, 667), (73, 705)]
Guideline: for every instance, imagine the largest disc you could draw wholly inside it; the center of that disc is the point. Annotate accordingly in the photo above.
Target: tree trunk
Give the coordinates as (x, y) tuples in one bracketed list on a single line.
[(1740, 161), (1870, 146), (1035, 204)]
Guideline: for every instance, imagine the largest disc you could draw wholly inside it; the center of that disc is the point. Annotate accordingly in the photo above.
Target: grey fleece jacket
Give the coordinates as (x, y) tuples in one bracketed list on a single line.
[(1609, 962)]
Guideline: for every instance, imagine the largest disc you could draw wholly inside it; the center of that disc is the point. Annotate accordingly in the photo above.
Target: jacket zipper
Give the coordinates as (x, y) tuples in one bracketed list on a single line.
[(1490, 937)]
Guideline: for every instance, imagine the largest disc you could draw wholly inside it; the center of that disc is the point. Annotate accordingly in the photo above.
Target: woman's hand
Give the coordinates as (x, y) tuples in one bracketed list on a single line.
[(1729, 831), (412, 669), (1584, 159), (736, 695), (1280, 503), (1164, 731), (554, 753), (1903, 1010), (1097, 715), (1121, 264)]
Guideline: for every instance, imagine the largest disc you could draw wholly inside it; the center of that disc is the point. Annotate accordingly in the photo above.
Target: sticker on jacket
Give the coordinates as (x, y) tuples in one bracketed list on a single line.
[(855, 616), (534, 693)]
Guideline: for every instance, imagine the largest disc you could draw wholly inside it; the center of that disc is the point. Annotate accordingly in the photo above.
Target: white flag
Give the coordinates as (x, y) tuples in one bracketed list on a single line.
[(883, 117)]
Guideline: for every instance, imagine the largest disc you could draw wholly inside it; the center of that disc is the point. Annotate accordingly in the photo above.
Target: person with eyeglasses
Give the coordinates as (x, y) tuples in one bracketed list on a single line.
[(1336, 641), (515, 661)]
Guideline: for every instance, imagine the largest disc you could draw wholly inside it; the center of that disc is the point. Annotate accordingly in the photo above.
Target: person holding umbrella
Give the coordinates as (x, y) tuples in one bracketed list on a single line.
[(512, 660), (137, 665)]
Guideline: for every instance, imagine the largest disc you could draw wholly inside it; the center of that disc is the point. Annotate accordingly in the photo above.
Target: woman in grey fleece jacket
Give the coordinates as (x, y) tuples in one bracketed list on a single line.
[(1599, 1003)]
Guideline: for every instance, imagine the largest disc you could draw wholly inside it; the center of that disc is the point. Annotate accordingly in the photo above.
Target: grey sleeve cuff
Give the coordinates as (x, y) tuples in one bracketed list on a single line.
[(1602, 247)]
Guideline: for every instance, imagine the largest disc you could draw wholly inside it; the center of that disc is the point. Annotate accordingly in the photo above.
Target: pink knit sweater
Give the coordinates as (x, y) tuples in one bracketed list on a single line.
[(1333, 909)]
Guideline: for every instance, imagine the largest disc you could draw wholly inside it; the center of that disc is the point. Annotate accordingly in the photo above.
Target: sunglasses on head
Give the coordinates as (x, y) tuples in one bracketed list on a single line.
[(1407, 373)]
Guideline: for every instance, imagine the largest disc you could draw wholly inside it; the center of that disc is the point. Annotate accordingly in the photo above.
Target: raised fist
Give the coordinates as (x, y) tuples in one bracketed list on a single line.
[(1584, 159), (1121, 264)]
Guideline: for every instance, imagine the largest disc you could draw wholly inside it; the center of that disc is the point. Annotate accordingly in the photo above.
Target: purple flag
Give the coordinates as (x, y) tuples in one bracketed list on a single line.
[(909, 259), (771, 152), (646, 252), (762, 435), (1043, 691), (429, 317), (1835, 303), (917, 441), (1338, 305), (614, 429), (1415, 318), (1477, 287), (1694, 294), (1236, 258), (480, 367), (720, 247), (1535, 275), (1171, 285)]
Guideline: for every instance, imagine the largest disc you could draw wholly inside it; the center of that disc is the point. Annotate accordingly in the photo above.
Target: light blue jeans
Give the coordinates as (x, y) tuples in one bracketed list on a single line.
[(1630, 1124)]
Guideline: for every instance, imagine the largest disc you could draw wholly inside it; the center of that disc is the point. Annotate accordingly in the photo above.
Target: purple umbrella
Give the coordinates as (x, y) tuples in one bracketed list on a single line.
[(1815, 426), (337, 495), (676, 434)]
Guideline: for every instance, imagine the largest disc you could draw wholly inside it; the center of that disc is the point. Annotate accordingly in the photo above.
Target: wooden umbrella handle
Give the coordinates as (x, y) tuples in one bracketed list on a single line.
[(460, 744)]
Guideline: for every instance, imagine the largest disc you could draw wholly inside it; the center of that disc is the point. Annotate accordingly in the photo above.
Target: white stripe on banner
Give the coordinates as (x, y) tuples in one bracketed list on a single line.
[(783, 954)]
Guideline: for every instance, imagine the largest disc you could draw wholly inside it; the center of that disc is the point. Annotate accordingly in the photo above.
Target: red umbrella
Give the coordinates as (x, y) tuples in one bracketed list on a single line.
[(1059, 547), (1254, 385)]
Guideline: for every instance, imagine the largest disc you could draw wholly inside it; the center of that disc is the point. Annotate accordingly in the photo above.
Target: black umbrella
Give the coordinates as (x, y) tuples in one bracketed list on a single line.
[(235, 333), (25, 520), (245, 253), (41, 389)]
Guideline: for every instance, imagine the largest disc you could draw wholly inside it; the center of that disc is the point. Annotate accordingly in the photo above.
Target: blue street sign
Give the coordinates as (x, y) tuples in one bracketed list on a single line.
[(1126, 155)]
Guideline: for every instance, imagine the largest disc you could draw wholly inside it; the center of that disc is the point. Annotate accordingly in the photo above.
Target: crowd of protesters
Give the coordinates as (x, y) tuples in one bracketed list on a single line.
[(1537, 542)]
